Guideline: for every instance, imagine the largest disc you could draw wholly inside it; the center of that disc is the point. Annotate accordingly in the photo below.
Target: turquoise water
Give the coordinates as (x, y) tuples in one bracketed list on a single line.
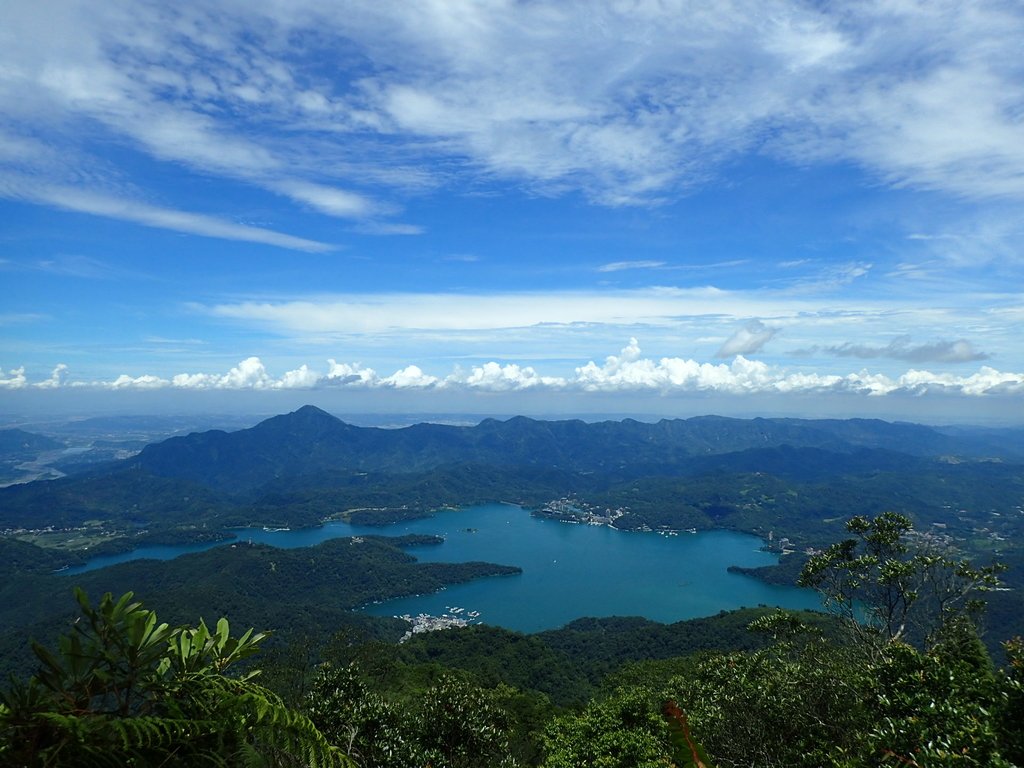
[(162, 552), (569, 570)]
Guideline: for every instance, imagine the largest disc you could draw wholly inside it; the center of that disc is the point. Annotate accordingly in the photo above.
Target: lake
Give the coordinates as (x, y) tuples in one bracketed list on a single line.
[(569, 570)]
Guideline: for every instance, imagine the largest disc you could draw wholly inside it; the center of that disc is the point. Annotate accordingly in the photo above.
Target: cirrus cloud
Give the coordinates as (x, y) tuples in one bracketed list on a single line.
[(114, 207), (618, 266), (630, 104)]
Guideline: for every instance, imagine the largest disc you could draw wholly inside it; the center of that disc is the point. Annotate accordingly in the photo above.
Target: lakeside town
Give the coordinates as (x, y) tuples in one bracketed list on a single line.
[(569, 509), (454, 617)]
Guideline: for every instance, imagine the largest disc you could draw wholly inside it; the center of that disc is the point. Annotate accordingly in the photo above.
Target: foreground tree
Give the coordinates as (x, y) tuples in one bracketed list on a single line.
[(627, 729), (888, 583), (909, 683), (450, 724), (797, 702), (123, 689), (934, 708), (1011, 703), (361, 722)]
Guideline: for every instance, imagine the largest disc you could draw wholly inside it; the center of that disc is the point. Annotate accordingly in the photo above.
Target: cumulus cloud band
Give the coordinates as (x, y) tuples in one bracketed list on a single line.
[(629, 371)]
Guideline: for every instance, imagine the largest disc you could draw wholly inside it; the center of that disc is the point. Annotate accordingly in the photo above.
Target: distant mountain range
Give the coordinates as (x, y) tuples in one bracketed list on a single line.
[(310, 441), (299, 468), (18, 442), (798, 479)]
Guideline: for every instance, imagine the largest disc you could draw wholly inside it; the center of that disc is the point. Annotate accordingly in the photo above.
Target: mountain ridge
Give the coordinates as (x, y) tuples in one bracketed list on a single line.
[(310, 441)]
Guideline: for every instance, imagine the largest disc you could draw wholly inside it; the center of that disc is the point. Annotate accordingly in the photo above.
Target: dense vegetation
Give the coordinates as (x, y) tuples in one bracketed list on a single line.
[(912, 684), (907, 683), (123, 689), (569, 664), (310, 592)]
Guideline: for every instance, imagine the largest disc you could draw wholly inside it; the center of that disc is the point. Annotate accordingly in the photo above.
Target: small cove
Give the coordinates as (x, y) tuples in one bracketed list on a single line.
[(569, 570)]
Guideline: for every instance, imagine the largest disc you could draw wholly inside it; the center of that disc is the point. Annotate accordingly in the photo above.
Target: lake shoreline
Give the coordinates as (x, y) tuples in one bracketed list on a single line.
[(769, 574)]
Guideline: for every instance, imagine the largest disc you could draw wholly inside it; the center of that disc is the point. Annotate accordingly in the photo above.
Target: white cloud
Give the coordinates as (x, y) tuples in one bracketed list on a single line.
[(13, 379), (705, 320), (19, 318), (832, 278), (629, 371), (377, 313), (673, 374), (188, 137), (494, 377), (987, 380), (345, 373), (109, 206), (147, 381), (743, 376), (921, 94), (57, 378), (629, 103), (300, 378), (959, 351), (747, 340), (625, 369), (333, 202), (618, 266), (159, 81), (409, 377), (179, 342), (76, 265), (388, 228), (978, 240), (248, 374)]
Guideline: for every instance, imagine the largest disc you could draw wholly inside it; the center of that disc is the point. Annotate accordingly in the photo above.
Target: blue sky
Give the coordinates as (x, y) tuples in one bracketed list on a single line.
[(660, 208)]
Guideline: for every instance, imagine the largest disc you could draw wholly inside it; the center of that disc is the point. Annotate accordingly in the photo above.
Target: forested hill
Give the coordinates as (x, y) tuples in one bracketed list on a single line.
[(310, 441), (17, 441), (792, 480)]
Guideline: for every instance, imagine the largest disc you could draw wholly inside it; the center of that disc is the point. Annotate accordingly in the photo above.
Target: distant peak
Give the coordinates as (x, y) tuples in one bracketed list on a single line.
[(306, 416), (307, 411), (310, 414), (520, 420)]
